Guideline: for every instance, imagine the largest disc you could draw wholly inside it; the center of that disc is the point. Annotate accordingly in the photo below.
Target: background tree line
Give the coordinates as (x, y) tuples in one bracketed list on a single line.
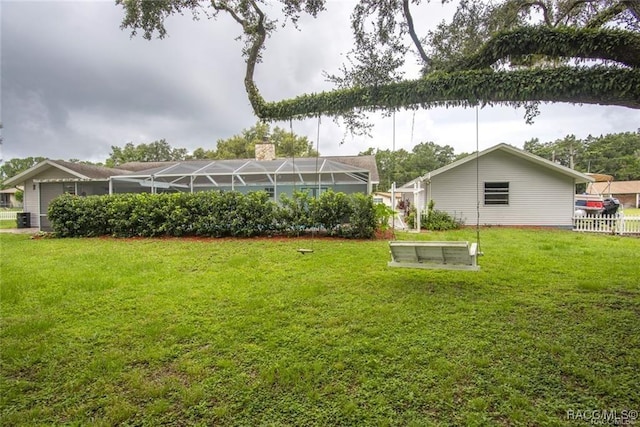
[(241, 146), (401, 166), (615, 154)]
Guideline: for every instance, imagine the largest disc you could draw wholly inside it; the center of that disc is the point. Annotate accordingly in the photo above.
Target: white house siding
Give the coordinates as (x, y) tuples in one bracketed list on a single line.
[(30, 201), (32, 193), (537, 195)]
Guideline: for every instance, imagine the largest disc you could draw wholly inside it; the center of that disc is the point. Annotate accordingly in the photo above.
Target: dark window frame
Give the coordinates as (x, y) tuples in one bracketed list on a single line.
[(271, 191), (496, 193), (69, 188)]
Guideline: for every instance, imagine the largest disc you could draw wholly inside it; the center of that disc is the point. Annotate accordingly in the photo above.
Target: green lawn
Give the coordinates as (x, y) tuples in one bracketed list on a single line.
[(632, 212), (250, 332), (8, 223)]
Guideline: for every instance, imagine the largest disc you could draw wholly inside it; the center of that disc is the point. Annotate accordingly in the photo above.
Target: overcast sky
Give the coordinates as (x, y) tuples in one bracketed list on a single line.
[(74, 84)]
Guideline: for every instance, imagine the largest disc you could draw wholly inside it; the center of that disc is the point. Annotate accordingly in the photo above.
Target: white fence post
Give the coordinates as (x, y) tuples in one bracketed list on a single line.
[(8, 216), (612, 224)]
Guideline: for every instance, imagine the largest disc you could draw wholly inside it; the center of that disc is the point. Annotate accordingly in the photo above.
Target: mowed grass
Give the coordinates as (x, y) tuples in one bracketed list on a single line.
[(250, 332), (632, 211), (9, 223)]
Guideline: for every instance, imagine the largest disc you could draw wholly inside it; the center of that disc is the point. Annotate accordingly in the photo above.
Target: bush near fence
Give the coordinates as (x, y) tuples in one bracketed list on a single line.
[(212, 214)]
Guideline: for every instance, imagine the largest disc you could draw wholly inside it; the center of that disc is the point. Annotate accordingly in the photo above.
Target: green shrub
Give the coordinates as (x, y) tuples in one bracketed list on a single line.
[(179, 219), (362, 222), (223, 214), (149, 215), (383, 215), (211, 214), (79, 216), (434, 219), (121, 222), (205, 210), (331, 210), (261, 215), (296, 213)]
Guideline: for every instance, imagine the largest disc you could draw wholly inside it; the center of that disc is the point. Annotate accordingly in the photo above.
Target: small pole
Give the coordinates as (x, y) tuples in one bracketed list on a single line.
[(393, 208), (478, 184), (416, 190), (318, 174)]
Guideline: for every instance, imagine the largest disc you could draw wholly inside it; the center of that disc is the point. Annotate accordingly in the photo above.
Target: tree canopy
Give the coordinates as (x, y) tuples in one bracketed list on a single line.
[(156, 151), (401, 166), (242, 146), (14, 166), (513, 52), (612, 154), (615, 154)]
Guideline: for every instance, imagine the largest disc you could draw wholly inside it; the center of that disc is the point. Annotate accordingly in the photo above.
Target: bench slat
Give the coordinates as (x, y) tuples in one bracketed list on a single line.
[(434, 255)]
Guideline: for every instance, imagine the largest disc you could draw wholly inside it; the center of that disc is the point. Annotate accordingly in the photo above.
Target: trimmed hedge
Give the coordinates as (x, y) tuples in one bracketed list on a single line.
[(212, 214)]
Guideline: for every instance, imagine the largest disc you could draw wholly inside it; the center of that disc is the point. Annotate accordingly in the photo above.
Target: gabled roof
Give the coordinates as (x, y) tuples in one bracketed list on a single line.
[(578, 176), (12, 190), (79, 170), (363, 162), (141, 166), (614, 187)]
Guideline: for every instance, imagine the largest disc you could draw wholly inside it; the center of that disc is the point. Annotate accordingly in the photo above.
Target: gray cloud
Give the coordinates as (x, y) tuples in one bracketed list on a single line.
[(72, 80), (74, 84)]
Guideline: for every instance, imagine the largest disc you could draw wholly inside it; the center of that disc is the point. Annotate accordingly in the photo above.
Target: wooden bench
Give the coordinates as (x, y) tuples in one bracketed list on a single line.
[(434, 255)]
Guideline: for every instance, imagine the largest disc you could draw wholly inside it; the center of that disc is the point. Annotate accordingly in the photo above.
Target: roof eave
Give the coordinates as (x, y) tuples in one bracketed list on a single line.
[(71, 180), (35, 170), (579, 177)]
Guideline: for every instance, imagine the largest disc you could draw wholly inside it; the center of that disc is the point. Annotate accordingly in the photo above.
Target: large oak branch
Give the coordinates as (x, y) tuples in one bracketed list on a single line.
[(597, 85), (612, 45)]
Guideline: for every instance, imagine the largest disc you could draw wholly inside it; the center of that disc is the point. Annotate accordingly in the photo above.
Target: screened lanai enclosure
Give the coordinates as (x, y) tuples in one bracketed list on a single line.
[(276, 177)]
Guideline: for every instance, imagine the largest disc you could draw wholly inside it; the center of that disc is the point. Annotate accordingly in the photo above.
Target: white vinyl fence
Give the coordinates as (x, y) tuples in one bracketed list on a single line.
[(8, 215), (611, 224)]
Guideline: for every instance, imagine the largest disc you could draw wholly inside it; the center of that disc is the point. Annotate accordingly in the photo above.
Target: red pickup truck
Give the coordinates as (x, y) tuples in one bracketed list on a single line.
[(593, 204)]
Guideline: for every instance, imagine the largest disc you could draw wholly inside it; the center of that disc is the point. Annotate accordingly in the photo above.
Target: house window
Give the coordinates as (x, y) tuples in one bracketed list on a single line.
[(313, 191), (496, 193), (69, 188), (270, 191)]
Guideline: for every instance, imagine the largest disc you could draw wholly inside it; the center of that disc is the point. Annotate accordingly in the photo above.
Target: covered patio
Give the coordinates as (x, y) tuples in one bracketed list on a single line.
[(276, 177)]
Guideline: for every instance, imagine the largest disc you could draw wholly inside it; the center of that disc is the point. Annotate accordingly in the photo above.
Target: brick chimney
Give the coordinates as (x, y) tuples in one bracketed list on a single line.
[(265, 150)]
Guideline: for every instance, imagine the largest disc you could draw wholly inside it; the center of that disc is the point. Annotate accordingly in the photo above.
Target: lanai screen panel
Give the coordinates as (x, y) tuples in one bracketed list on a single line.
[(199, 175)]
